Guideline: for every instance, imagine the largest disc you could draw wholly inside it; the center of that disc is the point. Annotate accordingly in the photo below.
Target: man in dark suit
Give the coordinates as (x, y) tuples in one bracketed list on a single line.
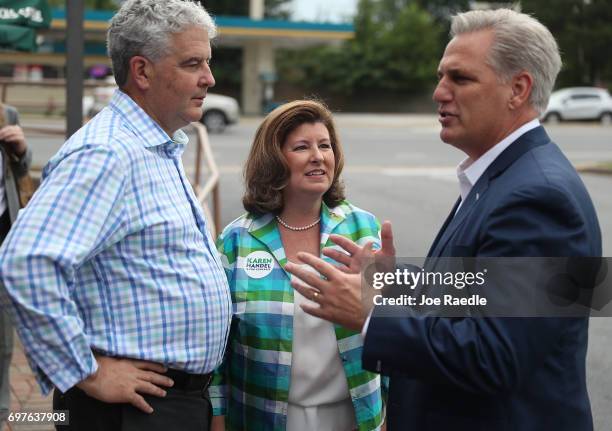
[(520, 197)]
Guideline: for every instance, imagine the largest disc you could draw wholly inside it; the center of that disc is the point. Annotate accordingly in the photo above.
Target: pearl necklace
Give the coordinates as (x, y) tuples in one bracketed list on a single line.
[(294, 228)]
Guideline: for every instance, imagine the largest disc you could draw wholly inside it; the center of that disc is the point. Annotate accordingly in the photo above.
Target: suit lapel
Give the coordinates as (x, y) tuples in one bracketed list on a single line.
[(444, 226), (525, 143), (466, 208)]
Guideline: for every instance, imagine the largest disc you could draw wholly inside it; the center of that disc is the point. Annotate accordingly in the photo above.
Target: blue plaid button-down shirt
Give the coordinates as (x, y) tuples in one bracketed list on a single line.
[(113, 254)]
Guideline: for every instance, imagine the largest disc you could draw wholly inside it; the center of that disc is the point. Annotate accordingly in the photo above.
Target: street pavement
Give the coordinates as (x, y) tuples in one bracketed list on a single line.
[(397, 168)]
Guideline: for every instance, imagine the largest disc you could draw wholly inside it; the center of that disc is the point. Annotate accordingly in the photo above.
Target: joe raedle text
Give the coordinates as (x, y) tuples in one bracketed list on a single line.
[(425, 300), (429, 288)]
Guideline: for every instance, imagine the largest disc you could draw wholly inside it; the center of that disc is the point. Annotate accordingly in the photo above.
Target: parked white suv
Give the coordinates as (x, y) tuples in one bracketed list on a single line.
[(219, 111), (579, 103)]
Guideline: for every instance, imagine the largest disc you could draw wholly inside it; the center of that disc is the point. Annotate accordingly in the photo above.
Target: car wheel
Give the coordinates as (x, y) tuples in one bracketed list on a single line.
[(606, 118), (214, 121), (553, 118)]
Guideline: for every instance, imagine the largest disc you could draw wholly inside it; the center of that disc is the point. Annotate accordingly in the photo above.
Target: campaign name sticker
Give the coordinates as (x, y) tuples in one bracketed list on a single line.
[(258, 264)]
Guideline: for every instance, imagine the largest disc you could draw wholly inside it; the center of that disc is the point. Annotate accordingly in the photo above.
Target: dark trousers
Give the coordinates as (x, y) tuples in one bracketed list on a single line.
[(179, 410), (5, 225), (6, 338)]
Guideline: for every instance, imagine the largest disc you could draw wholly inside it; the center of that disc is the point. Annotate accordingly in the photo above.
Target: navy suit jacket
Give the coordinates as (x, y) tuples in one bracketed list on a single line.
[(497, 374)]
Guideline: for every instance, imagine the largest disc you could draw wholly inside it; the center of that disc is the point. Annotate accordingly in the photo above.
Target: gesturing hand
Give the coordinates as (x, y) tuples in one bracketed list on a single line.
[(338, 294), (355, 257), (123, 380)]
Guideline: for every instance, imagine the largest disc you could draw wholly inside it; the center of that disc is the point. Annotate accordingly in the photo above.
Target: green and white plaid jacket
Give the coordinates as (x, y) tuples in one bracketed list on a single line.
[(251, 388)]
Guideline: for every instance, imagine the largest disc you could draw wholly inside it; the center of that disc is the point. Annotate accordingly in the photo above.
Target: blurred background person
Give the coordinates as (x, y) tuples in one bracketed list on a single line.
[(284, 369), (15, 159)]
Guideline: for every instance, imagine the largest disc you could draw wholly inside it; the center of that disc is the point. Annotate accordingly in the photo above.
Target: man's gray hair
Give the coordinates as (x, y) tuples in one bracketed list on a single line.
[(144, 27), (521, 43)]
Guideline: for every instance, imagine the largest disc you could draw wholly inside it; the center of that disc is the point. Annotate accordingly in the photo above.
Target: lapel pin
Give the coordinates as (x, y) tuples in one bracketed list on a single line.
[(477, 196)]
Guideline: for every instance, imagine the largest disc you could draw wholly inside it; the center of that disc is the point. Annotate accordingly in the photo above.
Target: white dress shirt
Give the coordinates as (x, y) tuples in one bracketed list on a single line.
[(469, 170)]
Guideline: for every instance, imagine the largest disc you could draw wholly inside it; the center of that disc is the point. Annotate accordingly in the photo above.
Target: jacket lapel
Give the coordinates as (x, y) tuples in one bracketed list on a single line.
[(530, 140), (265, 229), (330, 218)]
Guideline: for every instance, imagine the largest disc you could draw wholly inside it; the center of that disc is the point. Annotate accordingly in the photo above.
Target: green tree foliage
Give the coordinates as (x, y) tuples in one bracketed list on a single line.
[(442, 10), (396, 47), (584, 33), (273, 8), (89, 4)]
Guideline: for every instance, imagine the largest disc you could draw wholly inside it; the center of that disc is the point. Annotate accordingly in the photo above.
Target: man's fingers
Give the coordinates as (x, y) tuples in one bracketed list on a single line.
[(156, 379), (386, 236), (305, 291), (139, 402), (143, 387), (345, 269), (350, 246), (337, 255), (306, 275), (150, 366), (314, 311), (327, 270)]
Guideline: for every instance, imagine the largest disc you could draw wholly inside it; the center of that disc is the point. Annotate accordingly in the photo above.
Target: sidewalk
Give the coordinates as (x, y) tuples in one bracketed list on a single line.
[(25, 393)]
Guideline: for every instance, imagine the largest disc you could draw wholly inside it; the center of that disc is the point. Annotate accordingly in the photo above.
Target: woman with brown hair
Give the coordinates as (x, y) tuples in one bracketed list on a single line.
[(284, 369)]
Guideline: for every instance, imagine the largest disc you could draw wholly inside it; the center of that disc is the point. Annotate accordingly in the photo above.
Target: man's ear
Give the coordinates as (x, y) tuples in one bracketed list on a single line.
[(141, 72), (522, 84)]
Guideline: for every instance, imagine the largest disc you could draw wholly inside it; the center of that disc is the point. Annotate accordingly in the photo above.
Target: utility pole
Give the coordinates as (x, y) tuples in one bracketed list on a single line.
[(74, 66)]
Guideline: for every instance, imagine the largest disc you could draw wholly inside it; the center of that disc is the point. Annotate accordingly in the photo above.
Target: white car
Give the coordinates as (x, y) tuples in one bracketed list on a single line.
[(219, 111), (579, 103)]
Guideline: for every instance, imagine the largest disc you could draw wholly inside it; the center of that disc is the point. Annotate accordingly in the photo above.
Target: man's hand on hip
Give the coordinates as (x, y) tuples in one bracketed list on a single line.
[(123, 380)]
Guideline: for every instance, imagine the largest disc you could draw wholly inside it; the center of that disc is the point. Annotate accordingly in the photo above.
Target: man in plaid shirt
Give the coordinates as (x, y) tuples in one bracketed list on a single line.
[(111, 275)]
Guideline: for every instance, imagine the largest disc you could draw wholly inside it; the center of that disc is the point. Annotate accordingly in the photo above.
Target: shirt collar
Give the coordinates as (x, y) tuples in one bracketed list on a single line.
[(139, 122), (469, 171)]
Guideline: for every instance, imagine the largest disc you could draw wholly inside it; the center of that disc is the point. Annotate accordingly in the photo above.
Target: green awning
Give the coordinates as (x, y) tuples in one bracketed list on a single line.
[(19, 20), (17, 38)]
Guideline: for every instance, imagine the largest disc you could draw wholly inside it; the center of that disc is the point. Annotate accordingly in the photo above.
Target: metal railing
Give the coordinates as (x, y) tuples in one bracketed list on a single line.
[(208, 192), (210, 189)]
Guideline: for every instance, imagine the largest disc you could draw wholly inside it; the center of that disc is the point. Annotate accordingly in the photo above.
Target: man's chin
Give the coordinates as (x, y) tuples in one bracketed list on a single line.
[(193, 116), (446, 136)]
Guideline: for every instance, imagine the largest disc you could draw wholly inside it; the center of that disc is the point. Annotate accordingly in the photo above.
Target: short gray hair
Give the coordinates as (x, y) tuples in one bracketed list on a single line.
[(144, 27), (521, 42)]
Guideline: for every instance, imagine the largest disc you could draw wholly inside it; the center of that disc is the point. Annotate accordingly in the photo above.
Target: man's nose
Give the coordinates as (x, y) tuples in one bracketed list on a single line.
[(441, 93), (207, 79)]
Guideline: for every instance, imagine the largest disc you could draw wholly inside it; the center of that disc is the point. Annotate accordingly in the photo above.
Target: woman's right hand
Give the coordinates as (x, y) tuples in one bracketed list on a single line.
[(218, 423)]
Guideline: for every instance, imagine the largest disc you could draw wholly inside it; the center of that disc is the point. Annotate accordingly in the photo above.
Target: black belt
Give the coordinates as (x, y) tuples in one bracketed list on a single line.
[(189, 382)]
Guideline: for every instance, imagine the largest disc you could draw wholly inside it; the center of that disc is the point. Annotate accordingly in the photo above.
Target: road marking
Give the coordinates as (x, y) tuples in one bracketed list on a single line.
[(442, 172)]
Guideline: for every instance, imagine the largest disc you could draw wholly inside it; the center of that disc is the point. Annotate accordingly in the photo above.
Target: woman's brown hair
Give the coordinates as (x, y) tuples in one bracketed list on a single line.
[(266, 172)]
